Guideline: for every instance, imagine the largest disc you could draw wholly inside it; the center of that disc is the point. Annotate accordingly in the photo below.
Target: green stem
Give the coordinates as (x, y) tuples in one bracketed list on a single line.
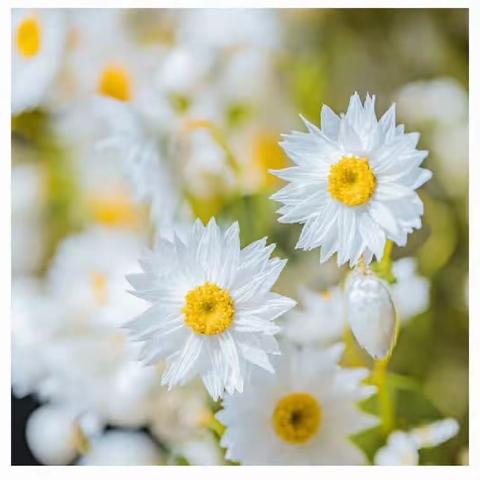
[(385, 402)]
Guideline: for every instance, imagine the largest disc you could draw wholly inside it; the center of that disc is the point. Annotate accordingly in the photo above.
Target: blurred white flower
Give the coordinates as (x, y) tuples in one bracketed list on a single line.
[(179, 414), (442, 100), (184, 70), (354, 183), (402, 447), (150, 176), (53, 435), (205, 170), (410, 292), (104, 59), (450, 147), (90, 365), (370, 313), (202, 450), (28, 229), (122, 448), (435, 433), (319, 320), (303, 415), (442, 105), (213, 313), (33, 318), (38, 43), (228, 29)]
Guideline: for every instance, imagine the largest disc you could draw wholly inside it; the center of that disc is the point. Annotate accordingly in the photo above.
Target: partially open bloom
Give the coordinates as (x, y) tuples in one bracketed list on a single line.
[(402, 447), (304, 415), (370, 313), (38, 41), (353, 184), (213, 313)]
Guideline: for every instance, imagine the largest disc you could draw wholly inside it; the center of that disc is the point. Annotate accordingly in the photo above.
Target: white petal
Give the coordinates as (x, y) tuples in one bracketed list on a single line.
[(330, 122), (179, 370)]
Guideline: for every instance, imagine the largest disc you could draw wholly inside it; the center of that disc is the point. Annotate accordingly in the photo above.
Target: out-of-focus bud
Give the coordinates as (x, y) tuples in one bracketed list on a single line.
[(370, 313), (52, 433), (435, 433), (400, 449)]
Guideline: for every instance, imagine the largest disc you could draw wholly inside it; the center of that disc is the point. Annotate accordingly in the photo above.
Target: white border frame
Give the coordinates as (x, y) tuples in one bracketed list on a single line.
[(199, 473)]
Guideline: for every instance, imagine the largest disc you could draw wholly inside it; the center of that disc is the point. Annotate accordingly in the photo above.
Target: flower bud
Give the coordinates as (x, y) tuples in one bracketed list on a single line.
[(435, 433), (50, 433), (370, 313)]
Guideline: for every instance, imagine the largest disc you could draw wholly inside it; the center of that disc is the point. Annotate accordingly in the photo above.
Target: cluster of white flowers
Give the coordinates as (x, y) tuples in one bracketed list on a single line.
[(104, 342)]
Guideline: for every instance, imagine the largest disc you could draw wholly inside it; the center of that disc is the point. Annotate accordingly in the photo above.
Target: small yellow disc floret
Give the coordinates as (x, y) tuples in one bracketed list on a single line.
[(209, 309), (297, 417), (115, 82), (351, 181), (29, 37)]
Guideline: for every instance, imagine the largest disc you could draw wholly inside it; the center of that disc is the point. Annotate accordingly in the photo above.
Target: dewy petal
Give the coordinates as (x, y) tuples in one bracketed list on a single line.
[(371, 314)]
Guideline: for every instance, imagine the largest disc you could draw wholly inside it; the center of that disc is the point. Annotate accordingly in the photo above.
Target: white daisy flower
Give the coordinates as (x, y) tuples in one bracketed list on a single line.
[(353, 184), (213, 313), (370, 313), (38, 42), (402, 447), (320, 320), (304, 415)]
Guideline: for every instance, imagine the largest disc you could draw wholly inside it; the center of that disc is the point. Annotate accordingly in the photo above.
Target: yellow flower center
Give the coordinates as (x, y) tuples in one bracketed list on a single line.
[(267, 155), (297, 417), (29, 37), (351, 181), (208, 309), (99, 284), (115, 210), (115, 82)]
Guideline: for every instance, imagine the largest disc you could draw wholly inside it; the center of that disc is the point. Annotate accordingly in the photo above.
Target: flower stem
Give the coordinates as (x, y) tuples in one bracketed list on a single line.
[(385, 402)]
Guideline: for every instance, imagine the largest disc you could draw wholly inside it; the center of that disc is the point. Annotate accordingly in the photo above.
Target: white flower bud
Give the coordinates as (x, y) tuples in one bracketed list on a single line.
[(435, 433), (51, 433), (370, 313)]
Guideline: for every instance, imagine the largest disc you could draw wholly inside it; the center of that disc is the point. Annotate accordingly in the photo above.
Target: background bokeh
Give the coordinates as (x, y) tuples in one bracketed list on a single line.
[(416, 58)]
